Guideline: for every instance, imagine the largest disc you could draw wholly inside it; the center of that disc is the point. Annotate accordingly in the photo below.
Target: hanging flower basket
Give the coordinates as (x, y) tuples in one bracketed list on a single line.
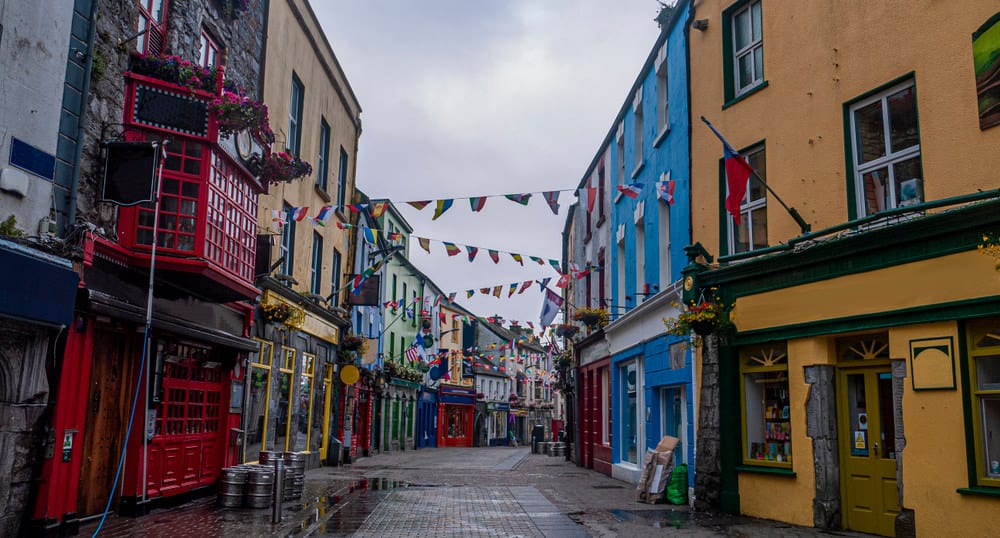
[(173, 69), (569, 331), (703, 319), (593, 318), (279, 167), (353, 343), (703, 328), (283, 313), (236, 112)]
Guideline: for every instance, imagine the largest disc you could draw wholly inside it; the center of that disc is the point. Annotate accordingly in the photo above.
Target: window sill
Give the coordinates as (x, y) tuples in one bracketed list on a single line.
[(322, 193), (765, 470), (618, 197), (744, 95), (339, 211), (600, 221), (638, 168), (980, 491), (663, 134)]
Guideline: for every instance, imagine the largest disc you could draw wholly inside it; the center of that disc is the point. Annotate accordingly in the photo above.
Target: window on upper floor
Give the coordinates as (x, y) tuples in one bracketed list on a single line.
[(602, 191), (743, 48), (152, 26), (663, 243), (885, 149), (323, 158), (316, 271), (637, 126), (621, 304), (620, 180), (983, 372), (662, 96), (601, 293), (208, 54), (751, 234), (641, 288), (295, 101), (288, 243), (335, 278), (342, 178)]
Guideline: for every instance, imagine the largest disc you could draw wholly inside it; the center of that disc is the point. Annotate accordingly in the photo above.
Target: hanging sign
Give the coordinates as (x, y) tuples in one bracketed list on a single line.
[(349, 374)]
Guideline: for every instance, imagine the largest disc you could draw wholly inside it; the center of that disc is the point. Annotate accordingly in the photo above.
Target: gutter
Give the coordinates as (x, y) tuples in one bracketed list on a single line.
[(84, 100)]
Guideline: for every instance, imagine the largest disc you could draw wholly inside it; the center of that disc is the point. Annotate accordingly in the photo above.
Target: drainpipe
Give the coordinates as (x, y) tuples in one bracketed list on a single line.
[(84, 99)]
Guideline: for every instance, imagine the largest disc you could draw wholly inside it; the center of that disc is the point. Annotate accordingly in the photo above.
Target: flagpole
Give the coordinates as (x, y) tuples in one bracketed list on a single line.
[(803, 225)]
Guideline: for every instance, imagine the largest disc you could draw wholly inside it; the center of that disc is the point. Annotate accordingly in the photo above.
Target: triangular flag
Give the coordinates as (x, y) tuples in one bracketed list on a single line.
[(442, 206), (451, 296), (477, 203), (344, 225), (472, 252), (298, 213), (497, 290), (550, 307), (563, 281), (537, 260), (588, 195), (277, 220), (494, 255), (425, 244), (555, 265), (512, 290), (665, 188), (371, 236), (378, 208), (519, 198), (451, 248), (469, 293), (323, 216), (517, 258), (552, 198), (524, 285), (354, 208), (437, 300), (632, 190), (484, 291), (419, 205)]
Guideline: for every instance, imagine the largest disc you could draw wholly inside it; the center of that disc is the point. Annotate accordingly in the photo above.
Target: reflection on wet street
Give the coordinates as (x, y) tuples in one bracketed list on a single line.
[(343, 514)]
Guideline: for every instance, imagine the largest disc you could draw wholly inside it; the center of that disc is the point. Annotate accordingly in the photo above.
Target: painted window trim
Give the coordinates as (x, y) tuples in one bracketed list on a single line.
[(764, 466), (725, 220), (978, 484), (323, 156), (295, 109), (661, 136), (730, 94), (760, 469)]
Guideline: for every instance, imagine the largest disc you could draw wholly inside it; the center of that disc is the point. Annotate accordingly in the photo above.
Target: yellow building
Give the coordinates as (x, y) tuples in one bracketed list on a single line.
[(859, 386), (303, 265)]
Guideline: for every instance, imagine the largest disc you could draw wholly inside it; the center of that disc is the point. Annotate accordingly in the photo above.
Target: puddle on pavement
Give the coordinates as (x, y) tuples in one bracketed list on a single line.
[(345, 511), (658, 519)]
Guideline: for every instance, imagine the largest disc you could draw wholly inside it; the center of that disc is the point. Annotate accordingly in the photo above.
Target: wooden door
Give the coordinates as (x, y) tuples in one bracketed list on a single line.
[(868, 454), (115, 364)]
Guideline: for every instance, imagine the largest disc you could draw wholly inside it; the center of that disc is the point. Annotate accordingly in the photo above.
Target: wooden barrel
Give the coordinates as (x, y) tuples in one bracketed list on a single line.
[(259, 484), (232, 486)]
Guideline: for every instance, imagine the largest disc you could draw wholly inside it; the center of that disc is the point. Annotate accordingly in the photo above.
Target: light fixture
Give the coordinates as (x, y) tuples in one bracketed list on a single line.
[(700, 24)]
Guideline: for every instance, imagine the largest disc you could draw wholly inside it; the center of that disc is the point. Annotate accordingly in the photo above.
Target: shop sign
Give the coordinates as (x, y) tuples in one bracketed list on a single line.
[(168, 110)]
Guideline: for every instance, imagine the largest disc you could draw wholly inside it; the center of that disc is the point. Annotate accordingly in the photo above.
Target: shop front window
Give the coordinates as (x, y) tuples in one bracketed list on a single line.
[(305, 403), (456, 422), (984, 385), (630, 415), (256, 418), (286, 373), (767, 429)]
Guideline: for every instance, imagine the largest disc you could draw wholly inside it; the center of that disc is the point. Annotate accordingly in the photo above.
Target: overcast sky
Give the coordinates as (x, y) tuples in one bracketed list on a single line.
[(478, 97)]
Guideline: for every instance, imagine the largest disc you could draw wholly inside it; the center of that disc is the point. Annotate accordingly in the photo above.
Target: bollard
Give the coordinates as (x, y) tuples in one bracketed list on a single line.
[(277, 491)]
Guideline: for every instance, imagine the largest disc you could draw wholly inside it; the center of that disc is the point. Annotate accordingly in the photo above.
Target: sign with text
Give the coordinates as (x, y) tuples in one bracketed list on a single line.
[(168, 110)]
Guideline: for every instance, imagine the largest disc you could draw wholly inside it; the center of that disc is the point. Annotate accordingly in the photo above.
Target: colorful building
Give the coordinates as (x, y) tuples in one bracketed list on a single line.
[(857, 387)]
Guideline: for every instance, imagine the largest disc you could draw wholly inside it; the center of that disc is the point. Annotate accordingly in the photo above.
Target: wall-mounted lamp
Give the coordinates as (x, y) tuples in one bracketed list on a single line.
[(700, 24)]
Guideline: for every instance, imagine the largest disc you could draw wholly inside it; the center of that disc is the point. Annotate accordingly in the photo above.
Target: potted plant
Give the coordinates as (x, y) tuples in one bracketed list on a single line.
[(701, 318), (236, 112), (173, 69), (567, 330), (353, 342), (593, 318)]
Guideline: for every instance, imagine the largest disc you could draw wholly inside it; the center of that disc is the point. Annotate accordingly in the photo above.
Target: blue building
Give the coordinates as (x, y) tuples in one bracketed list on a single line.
[(636, 382)]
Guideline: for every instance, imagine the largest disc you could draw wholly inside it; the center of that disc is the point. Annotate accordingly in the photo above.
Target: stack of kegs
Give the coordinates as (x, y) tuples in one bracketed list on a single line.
[(546, 447), (557, 449), (232, 486), (295, 468), (259, 485)]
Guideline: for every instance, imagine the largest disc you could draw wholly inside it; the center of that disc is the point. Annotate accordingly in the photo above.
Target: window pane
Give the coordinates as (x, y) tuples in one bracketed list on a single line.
[(758, 219), (903, 132), (755, 190), (745, 74), (991, 436), (755, 9), (758, 63), (630, 447), (909, 182), (768, 421), (869, 132), (876, 193), (741, 30), (857, 413), (988, 373)]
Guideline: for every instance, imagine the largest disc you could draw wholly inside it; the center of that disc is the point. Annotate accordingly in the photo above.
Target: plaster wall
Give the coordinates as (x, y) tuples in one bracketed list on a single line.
[(817, 57)]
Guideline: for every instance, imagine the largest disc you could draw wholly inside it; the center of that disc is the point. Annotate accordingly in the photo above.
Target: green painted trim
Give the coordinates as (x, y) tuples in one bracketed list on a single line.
[(983, 492), (953, 357), (766, 470), (744, 95), (966, 309), (852, 201), (986, 26), (754, 253), (730, 420), (970, 433)]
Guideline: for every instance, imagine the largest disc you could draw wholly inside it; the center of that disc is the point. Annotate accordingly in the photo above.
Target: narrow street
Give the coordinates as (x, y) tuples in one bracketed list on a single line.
[(463, 492)]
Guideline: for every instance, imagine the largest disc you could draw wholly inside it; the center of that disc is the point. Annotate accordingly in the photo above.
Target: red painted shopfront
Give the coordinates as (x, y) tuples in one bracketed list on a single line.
[(594, 393), (456, 408)]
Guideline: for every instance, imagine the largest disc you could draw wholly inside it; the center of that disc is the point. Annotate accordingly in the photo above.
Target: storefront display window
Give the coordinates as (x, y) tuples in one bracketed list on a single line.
[(305, 403), (629, 410), (455, 422), (984, 381), (286, 371), (767, 431), (259, 388)]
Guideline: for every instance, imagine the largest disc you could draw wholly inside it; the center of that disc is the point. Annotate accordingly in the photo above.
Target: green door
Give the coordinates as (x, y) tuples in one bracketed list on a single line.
[(870, 499)]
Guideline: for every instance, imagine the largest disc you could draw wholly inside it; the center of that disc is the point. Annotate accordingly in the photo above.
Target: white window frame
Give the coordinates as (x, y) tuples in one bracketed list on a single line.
[(637, 139), (750, 49), (323, 157), (316, 269), (662, 96), (747, 207), (886, 161)]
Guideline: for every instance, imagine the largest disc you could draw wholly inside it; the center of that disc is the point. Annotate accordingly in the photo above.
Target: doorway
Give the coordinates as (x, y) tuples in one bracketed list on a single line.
[(867, 428)]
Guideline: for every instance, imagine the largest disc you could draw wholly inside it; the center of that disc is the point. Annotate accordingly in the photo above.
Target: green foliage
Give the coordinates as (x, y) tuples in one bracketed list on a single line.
[(8, 228)]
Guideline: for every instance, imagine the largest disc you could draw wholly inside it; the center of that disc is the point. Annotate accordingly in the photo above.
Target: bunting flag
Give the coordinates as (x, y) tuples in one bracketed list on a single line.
[(298, 213), (472, 252), (344, 225), (451, 248), (588, 195), (552, 198), (512, 290), (442, 206), (425, 244), (437, 300), (631, 190), (665, 188), (370, 235), (524, 285), (277, 220), (396, 236), (494, 255), (469, 294), (519, 198), (378, 208), (420, 204), (530, 324), (537, 260), (517, 258), (563, 281), (355, 208), (451, 296), (497, 290), (543, 283), (477, 203), (484, 291), (555, 265), (323, 216)]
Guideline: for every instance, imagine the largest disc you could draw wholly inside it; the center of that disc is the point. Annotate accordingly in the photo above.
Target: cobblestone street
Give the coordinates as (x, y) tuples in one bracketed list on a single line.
[(453, 492)]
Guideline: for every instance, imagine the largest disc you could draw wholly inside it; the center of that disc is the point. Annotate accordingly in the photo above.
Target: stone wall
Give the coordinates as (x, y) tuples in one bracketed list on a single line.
[(241, 35), (708, 465)]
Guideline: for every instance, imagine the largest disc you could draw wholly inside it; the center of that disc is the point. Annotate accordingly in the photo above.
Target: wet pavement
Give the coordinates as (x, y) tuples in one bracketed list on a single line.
[(464, 492)]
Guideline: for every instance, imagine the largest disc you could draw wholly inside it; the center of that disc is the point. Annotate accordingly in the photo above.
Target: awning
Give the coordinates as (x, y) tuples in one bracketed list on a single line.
[(103, 303), (36, 286)]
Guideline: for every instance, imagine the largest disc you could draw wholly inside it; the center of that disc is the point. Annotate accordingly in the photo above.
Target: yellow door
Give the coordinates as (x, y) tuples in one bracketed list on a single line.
[(869, 497), (327, 388)]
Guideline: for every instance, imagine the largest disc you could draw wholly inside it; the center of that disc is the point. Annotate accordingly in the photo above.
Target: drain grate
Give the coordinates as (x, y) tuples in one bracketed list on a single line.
[(608, 486)]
